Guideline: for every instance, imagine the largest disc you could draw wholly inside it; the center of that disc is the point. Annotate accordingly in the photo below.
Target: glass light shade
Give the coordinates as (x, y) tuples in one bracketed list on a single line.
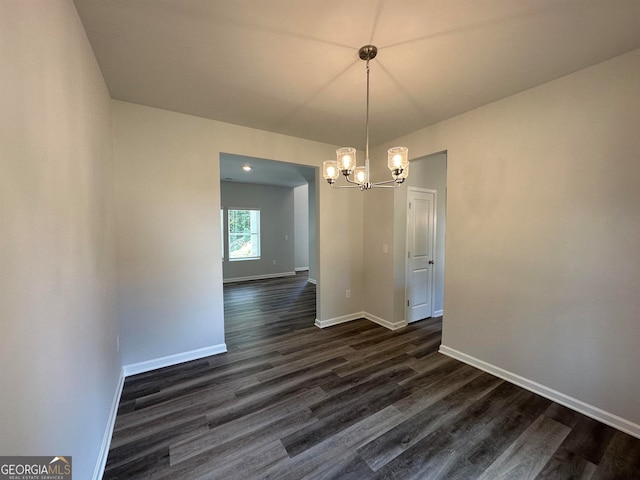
[(398, 158), (330, 170), (346, 158), (360, 175)]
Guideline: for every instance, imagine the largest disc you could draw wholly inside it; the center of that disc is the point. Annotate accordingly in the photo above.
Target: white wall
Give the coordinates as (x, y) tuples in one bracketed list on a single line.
[(168, 228), (277, 229), (59, 367), (543, 228), (301, 222), (380, 286)]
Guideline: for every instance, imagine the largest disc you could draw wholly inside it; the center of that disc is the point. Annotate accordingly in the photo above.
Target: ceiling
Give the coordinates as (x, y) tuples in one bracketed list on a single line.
[(264, 172), (292, 66)]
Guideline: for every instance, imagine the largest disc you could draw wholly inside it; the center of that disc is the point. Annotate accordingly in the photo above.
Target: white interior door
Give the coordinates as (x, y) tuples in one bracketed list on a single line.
[(420, 251)]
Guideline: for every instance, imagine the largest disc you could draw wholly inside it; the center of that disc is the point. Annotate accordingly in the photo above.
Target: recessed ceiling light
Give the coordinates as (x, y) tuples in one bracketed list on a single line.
[(246, 168)]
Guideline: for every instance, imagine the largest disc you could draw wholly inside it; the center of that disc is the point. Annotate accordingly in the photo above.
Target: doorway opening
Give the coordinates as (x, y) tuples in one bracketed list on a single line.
[(277, 247), (425, 237)]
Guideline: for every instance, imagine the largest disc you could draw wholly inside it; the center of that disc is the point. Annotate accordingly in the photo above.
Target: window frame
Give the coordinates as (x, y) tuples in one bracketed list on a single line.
[(255, 233)]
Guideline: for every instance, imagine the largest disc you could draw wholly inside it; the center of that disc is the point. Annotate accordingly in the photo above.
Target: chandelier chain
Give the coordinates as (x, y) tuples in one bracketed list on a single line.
[(366, 145)]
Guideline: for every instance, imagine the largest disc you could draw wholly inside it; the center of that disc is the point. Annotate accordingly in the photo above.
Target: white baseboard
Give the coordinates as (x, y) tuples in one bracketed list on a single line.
[(301, 269), (311, 280), (108, 433), (338, 320), (358, 315), (438, 313), (596, 413), (385, 323), (259, 277), (148, 365)]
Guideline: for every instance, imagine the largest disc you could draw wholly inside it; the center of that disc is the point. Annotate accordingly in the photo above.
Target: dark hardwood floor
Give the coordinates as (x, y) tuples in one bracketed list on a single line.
[(354, 401)]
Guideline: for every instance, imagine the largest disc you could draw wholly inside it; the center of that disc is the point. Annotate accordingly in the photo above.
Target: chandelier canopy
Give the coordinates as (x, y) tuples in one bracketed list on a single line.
[(358, 176)]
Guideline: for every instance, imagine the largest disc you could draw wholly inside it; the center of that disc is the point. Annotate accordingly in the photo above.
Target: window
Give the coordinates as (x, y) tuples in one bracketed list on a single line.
[(244, 234)]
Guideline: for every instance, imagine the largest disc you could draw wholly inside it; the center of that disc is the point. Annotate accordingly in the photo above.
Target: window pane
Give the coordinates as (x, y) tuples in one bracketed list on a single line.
[(244, 234)]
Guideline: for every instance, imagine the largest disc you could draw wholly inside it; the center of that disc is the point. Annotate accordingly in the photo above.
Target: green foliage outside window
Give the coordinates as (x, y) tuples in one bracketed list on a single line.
[(244, 234)]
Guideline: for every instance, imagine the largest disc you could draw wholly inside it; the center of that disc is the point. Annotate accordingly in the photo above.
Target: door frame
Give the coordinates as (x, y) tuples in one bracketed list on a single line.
[(406, 248)]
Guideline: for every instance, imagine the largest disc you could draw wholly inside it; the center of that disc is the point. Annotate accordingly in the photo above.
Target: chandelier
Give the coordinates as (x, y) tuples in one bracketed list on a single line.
[(358, 177)]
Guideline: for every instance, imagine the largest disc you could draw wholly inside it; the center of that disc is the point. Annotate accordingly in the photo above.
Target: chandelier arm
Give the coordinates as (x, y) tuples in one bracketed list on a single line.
[(393, 180), (351, 181)]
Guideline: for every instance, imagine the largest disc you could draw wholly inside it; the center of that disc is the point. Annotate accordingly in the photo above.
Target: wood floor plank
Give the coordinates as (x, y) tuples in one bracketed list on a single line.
[(155, 442), (235, 451), (423, 396), (290, 401), (314, 375), (139, 467), (368, 386), (252, 464), (247, 404), (192, 403), (566, 464), (428, 346), (449, 448), (358, 361), (160, 422), (303, 349), (621, 460), (151, 382), (348, 413), (194, 445), (589, 439), (245, 378), (351, 468), (325, 458), (391, 444), (439, 367), (528, 455), (307, 361), (384, 371), (563, 414), (479, 442)]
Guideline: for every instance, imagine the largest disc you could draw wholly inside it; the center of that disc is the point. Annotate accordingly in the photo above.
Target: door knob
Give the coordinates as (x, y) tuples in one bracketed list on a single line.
[(430, 262)]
